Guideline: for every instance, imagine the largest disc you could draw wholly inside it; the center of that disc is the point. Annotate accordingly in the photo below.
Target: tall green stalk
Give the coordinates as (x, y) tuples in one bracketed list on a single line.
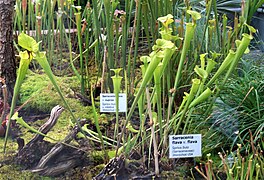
[(50, 27), (78, 23), (125, 29), (97, 125), (216, 22), (24, 10), (157, 80), (109, 7), (97, 31), (136, 39), (18, 16), (224, 35)]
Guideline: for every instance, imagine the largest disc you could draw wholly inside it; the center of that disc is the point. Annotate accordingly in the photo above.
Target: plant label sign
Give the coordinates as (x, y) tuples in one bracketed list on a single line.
[(108, 102), (183, 146)]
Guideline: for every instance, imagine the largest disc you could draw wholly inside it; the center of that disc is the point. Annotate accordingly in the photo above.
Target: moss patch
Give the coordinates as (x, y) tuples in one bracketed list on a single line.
[(40, 93), (12, 173)]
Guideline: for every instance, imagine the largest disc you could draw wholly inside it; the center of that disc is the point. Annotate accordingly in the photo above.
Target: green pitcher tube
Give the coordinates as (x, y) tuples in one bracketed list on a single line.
[(195, 86), (201, 98), (210, 65), (25, 59), (225, 64), (239, 52), (117, 84), (156, 58), (190, 27)]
